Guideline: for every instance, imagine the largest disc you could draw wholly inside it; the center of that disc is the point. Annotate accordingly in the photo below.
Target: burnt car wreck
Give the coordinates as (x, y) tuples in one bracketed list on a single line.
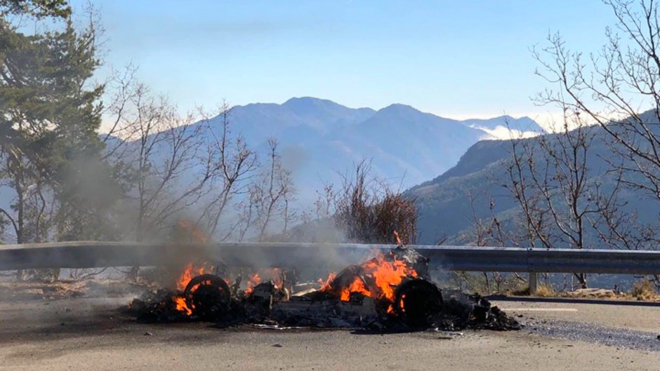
[(390, 292)]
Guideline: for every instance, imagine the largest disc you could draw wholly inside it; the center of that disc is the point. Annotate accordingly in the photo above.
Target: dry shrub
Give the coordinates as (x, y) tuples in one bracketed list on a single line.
[(545, 290), (369, 212), (644, 290)]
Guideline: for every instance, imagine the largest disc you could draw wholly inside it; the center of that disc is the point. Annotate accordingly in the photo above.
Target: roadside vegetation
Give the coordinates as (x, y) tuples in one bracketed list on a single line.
[(580, 186)]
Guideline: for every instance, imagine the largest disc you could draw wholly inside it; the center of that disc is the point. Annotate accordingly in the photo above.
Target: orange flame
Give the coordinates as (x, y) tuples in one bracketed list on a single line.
[(383, 273), (398, 240), (191, 232), (387, 274), (401, 302), (181, 305), (276, 275), (188, 274), (327, 284), (251, 283), (356, 286)]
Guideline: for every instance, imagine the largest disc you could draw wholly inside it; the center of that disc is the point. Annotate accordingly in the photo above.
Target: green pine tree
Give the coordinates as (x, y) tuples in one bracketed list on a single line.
[(50, 114)]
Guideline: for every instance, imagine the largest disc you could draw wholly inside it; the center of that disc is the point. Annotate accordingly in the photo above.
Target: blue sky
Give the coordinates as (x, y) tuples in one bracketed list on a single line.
[(452, 58)]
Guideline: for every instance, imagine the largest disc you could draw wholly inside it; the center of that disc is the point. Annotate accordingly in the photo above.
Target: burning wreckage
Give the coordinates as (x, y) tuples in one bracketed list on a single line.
[(390, 292)]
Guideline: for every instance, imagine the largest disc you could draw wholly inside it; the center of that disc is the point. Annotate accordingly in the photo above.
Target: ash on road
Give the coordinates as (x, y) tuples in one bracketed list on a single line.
[(90, 334)]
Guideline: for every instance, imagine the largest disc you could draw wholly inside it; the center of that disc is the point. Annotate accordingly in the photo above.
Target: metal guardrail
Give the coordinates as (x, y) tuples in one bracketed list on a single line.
[(107, 254)]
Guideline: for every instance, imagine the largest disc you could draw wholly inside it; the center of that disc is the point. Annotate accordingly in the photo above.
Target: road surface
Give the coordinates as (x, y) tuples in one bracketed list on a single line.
[(90, 334)]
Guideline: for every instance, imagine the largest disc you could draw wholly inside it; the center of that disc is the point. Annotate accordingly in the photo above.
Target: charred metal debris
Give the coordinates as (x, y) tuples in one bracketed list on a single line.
[(391, 292)]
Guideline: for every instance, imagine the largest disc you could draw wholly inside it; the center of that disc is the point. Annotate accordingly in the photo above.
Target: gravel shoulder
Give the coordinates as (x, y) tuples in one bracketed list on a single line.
[(92, 334)]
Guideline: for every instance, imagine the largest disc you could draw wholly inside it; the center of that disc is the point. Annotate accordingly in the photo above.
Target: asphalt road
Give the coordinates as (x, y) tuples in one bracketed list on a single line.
[(90, 334), (630, 317)]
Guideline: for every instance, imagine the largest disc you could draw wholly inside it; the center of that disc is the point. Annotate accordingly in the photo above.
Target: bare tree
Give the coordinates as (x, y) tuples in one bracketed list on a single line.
[(173, 164), (488, 231), (121, 90), (534, 220), (169, 149), (236, 164), (325, 202), (164, 150), (481, 232), (272, 191), (612, 89), (551, 180)]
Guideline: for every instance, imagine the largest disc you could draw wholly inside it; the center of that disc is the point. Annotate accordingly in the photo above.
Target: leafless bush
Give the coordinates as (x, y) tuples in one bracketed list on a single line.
[(368, 211), (644, 290)]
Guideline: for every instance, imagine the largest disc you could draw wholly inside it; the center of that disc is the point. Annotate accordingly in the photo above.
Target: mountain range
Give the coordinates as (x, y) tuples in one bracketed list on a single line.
[(447, 213), (319, 139)]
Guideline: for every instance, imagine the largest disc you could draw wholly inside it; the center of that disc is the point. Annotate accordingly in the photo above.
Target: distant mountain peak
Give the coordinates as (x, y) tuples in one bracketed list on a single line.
[(400, 107), (399, 110), (308, 100), (305, 103)]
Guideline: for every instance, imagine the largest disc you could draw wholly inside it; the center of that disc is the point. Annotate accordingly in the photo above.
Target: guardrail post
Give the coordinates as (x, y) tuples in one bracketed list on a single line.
[(533, 282)]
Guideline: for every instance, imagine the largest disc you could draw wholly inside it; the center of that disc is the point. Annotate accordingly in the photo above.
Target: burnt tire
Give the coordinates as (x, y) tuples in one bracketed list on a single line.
[(208, 296), (418, 302)]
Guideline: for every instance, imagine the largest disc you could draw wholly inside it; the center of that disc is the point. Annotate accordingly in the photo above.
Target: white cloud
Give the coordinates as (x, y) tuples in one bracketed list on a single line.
[(502, 132), (545, 119)]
